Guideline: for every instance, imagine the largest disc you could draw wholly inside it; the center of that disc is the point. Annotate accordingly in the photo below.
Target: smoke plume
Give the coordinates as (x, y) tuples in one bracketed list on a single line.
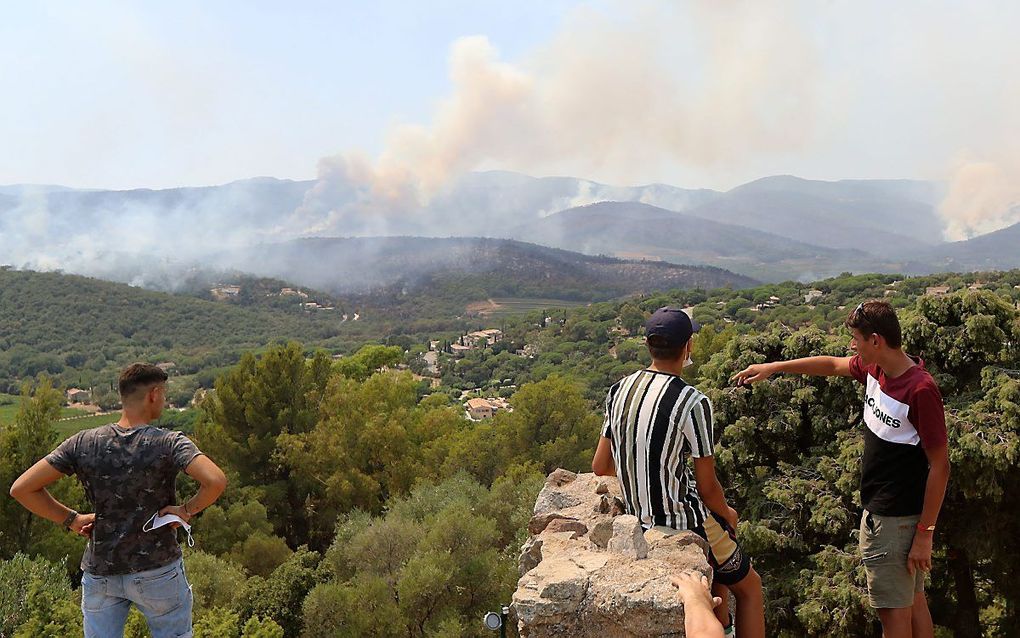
[(611, 94)]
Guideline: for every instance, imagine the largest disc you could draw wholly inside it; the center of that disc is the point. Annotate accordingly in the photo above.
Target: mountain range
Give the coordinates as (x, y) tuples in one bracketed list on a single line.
[(774, 228)]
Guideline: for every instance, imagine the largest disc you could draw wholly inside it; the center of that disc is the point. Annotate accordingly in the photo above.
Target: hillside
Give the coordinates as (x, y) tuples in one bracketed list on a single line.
[(999, 250), (636, 230), (469, 268), (894, 215), (84, 329), (56, 323)]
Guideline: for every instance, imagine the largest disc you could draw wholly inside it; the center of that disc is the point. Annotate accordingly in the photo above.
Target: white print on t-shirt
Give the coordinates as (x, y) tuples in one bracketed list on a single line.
[(887, 417)]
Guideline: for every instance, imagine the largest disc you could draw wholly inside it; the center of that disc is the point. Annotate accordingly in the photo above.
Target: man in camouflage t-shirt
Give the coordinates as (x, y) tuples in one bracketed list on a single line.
[(129, 472)]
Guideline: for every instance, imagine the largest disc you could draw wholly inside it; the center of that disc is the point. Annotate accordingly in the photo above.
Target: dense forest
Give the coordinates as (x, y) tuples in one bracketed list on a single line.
[(363, 502)]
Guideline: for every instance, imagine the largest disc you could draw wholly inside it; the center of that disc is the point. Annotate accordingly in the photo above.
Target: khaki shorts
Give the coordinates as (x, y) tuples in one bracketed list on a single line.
[(885, 544)]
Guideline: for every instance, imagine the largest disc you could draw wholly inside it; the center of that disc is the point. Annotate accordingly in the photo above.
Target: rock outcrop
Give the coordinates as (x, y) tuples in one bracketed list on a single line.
[(589, 570)]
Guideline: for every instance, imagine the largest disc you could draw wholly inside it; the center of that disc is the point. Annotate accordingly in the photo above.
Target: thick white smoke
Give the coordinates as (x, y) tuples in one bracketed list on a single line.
[(983, 196), (613, 93)]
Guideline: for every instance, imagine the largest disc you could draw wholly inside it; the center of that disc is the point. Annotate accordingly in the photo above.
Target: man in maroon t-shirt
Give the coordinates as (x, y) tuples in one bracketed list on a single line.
[(905, 467)]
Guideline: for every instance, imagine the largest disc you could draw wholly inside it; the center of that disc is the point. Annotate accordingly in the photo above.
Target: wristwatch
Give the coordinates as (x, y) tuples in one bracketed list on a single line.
[(71, 515), (921, 527)]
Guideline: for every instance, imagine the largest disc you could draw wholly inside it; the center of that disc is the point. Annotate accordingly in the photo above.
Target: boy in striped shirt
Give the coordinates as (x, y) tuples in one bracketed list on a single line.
[(654, 421)]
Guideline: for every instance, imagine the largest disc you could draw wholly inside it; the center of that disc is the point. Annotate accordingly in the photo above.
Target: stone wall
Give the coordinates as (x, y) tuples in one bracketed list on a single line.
[(588, 570)]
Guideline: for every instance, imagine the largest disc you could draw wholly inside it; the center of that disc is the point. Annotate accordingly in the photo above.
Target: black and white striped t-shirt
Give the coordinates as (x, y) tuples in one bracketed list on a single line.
[(655, 420)]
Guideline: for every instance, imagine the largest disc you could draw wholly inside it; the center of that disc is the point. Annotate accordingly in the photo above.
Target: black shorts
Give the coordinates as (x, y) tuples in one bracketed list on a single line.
[(729, 562)]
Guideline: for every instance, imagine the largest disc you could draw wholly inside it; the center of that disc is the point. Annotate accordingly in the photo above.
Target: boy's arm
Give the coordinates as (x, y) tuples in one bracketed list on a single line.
[(711, 491), (602, 464), (30, 490), (814, 366), (212, 482)]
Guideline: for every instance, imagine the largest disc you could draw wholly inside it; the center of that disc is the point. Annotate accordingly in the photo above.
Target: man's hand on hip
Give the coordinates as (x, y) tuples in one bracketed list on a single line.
[(82, 525), (177, 510)]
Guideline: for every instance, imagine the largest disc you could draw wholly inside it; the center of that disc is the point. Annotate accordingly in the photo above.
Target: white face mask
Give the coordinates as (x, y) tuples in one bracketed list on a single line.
[(156, 521), (689, 361)]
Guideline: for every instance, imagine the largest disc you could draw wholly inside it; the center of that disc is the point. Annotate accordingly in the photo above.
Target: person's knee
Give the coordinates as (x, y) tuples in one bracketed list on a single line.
[(895, 621), (748, 587)]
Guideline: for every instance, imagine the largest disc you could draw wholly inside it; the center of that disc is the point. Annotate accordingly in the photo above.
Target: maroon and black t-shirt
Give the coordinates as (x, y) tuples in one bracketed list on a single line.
[(903, 416)]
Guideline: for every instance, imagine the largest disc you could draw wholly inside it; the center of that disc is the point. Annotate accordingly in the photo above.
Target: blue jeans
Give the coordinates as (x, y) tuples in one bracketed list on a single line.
[(163, 595)]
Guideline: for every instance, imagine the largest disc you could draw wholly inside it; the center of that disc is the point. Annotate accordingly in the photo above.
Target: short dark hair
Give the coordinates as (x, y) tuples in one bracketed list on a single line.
[(877, 317), (659, 349), (138, 376)]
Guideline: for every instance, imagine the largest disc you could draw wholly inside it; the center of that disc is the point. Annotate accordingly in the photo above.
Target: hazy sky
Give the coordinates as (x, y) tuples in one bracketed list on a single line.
[(156, 94)]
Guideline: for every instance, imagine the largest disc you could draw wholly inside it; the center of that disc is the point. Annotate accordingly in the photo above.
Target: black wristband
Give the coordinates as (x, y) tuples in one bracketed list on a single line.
[(71, 515)]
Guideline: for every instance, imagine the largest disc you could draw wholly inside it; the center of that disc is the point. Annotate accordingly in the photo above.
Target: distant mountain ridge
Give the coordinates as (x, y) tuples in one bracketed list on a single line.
[(773, 228), (636, 230), (495, 266)]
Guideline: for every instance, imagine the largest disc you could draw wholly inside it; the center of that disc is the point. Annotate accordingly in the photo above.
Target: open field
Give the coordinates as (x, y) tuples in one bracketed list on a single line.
[(509, 306), (67, 427), (9, 409)]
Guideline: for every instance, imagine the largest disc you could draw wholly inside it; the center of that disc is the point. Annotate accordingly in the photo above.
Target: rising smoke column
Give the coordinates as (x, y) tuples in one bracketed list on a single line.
[(613, 93)]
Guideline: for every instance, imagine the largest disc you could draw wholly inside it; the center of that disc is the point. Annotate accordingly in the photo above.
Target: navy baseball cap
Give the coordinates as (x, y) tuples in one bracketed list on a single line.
[(672, 325)]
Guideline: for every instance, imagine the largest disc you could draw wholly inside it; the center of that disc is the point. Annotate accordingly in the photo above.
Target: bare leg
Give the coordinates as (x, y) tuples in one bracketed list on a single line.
[(896, 622), (722, 612), (920, 618), (750, 606)]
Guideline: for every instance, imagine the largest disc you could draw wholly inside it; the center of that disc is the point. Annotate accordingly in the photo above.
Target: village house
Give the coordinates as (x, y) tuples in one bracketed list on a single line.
[(77, 395), (937, 291), (166, 366), (811, 295), (479, 409), (431, 362), (221, 291), (491, 337), (290, 292), (458, 350)]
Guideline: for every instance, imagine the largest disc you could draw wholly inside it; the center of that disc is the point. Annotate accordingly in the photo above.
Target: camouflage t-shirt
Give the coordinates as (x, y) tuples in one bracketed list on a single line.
[(128, 474)]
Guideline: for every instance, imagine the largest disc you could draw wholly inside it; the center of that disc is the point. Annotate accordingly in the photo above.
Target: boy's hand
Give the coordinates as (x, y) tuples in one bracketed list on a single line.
[(919, 557), (82, 525), (731, 517), (753, 373)]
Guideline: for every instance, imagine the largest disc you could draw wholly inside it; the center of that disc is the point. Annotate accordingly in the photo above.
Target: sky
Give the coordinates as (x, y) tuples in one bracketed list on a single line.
[(697, 94)]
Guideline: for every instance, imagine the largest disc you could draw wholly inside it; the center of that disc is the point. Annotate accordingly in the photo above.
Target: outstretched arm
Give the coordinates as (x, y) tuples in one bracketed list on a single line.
[(30, 490), (699, 619), (814, 366)]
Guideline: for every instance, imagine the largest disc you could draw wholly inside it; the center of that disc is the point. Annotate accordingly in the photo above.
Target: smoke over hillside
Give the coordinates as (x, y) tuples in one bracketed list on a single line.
[(619, 93)]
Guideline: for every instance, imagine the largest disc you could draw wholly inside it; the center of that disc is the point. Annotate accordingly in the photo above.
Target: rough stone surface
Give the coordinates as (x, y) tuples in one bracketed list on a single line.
[(608, 581), (560, 477), (628, 537), (539, 522), (531, 554), (568, 525)]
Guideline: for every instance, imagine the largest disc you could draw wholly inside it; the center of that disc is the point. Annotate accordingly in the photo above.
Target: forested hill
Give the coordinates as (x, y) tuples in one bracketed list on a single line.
[(52, 321), (490, 267), (81, 330)]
